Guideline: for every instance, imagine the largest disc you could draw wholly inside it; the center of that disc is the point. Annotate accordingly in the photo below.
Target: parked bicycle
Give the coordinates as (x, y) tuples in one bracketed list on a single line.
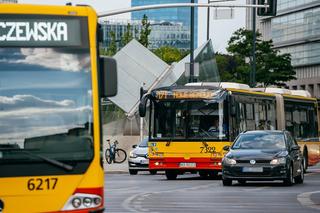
[(114, 154)]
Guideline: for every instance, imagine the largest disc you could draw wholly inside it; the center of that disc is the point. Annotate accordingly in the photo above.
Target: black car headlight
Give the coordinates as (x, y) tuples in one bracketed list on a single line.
[(278, 161), (229, 161)]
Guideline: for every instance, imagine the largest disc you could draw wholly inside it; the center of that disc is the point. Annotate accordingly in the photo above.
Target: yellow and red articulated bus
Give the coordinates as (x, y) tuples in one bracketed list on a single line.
[(190, 125), (51, 82)]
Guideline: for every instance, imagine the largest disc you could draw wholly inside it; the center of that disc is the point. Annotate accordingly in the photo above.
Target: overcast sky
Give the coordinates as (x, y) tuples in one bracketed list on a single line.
[(220, 30)]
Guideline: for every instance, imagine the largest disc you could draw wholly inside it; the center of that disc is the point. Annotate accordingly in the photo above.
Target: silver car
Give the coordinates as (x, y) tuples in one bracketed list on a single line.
[(138, 158)]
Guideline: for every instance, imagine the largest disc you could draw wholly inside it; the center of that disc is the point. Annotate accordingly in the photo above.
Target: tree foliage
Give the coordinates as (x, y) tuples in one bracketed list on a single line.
[(127, 36), (145, 31), (112, 48), (272, 68), (170, 54)]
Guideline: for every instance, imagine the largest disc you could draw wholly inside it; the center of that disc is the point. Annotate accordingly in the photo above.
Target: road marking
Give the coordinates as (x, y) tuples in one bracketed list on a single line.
[(256, 189), (133, 203), (305, 200)]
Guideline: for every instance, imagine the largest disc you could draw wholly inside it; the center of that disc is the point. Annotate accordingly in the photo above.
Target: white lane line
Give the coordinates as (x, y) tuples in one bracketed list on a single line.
[(305, 200), (256, 189), (130, 204)]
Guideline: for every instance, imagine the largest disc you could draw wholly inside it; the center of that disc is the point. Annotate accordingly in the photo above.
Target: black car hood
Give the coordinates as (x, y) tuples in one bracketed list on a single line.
[(248, 154)]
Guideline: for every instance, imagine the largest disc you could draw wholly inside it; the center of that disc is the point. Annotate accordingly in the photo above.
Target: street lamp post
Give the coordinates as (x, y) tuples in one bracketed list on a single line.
[(208, 22), (191, 78), (253, 65)]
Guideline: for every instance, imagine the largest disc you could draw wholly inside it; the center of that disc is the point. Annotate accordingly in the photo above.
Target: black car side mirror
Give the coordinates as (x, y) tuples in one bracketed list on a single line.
[(295, 148), (134, 146), (226, 148)]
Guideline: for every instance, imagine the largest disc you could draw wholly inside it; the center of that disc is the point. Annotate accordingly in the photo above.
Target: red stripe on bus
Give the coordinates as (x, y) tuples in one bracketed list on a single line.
[(174, 163)]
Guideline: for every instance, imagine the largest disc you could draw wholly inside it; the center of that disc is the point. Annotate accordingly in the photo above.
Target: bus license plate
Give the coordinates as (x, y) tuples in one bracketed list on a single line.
[(252, 169), (190, 165)]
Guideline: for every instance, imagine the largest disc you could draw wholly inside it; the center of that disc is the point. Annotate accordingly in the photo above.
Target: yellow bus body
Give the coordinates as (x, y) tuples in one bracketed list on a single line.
[(14, 191), (167, 155)]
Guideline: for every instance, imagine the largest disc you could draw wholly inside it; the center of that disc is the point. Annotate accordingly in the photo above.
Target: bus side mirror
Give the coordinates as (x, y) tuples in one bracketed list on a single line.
[(143, 105), (108, 76)]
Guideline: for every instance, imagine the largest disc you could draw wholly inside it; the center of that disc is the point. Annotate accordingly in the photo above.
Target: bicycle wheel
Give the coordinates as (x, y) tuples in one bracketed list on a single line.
[(107, 155), (120, 156)]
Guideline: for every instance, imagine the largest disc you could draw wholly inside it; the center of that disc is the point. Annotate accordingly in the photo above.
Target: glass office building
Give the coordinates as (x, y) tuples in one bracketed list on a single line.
[(162, 34), (296, 30), (172, 15)]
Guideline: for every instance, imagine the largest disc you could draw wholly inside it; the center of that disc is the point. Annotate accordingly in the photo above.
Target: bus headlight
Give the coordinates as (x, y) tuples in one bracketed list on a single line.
[(82, 201), (97, 201), (87, 202), (76, 202)]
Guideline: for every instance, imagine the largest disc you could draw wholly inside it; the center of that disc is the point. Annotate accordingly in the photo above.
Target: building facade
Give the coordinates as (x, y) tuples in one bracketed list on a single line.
[(172, 15), (162, 34), (296, 30)]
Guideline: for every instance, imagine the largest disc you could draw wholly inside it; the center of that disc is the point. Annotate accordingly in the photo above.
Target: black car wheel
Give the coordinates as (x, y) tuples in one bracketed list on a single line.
[(305, 161), (289, 180), (226, 182), (133, 172), (299, 179)]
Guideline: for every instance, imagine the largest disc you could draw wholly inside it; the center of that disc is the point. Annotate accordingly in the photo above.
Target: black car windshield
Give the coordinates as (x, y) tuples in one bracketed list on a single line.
[(45, 105), (260, 141)]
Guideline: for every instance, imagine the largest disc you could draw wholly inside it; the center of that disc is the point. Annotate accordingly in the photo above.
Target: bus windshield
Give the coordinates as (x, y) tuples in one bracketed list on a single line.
[(45, 105), (194, 120)]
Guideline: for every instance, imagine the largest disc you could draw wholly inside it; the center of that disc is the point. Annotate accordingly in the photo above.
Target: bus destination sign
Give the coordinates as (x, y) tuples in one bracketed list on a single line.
[(180, 94), (38, 31)]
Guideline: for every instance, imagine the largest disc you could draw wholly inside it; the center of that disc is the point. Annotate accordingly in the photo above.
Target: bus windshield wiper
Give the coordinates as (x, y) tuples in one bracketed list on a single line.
[(44, 158)]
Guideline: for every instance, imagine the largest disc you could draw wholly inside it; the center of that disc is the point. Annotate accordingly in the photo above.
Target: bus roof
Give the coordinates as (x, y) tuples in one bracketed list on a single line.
[(209, 89), (23, 9)]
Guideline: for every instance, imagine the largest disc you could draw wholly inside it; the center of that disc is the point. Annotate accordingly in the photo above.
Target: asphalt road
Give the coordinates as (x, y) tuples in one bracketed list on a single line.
[(190, 193)]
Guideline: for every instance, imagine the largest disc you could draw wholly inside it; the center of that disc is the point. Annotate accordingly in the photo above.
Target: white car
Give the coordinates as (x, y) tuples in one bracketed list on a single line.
[(138, 158)]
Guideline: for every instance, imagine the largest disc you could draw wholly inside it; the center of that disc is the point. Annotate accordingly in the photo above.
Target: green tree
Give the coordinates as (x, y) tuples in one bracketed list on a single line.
[(145, 31), (127, 36), (112, 48), (170, 54), (272, 68)]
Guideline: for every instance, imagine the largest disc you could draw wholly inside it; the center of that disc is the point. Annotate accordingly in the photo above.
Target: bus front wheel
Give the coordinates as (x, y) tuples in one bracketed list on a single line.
[(171, 175)]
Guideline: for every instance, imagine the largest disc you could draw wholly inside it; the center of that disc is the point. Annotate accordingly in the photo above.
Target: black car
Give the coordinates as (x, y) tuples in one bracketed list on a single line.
[(263, 155)]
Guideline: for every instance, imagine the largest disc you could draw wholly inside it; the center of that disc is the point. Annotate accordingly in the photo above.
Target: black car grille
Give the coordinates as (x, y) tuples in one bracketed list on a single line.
[(268, 171), (257, 161)]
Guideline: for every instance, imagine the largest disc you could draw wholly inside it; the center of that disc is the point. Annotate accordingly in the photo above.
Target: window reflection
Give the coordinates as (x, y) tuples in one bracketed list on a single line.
[(45, 96)]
